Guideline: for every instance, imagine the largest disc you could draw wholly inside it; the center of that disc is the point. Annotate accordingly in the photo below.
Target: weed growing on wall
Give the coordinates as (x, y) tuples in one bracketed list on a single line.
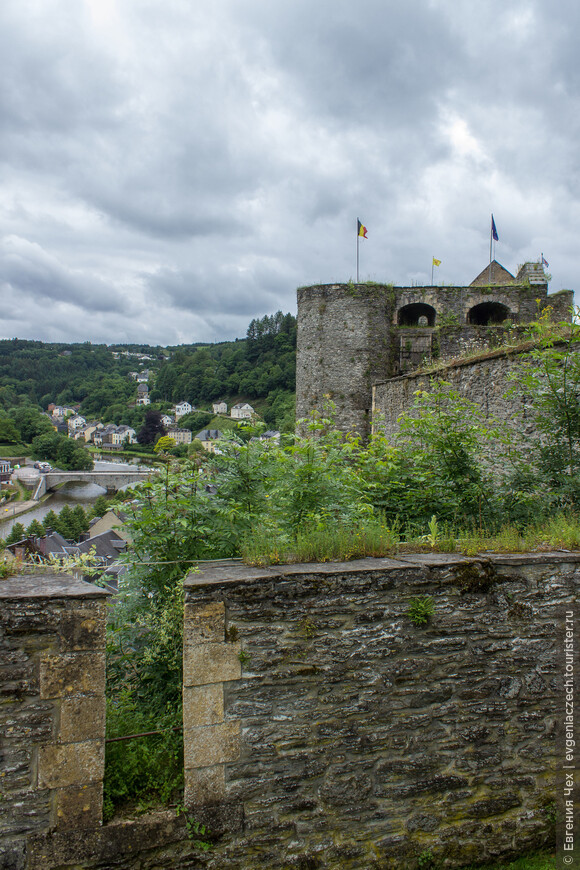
[(420, 610)]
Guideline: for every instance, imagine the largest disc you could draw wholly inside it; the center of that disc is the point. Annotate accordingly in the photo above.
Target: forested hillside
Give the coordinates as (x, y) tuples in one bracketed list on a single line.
[(263, 366), (260, 367), (62, 373)]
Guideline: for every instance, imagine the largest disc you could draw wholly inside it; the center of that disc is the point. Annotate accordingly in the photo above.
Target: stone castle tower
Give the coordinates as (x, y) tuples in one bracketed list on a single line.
[(352, 335)]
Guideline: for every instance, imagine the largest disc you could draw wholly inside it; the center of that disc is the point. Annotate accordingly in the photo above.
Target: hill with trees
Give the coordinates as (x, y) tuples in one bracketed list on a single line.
[(96, 378)]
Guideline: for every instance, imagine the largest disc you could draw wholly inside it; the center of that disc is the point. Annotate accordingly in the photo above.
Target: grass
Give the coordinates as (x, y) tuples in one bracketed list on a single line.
[(540, 861), (13, 451), (370, 538), (327, 544)]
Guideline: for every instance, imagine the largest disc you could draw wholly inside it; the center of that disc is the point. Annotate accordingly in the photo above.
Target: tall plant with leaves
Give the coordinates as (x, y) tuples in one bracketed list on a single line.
[(243, 471), (439, 463), (317, 477), (173, 523), (548, 379)]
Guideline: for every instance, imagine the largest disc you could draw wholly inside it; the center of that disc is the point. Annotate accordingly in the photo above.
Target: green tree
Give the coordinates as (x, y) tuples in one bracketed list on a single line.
[(35, 529), (9, 434), (31, 423), (50, 522), (164, 444), (72, 456), (548, 378), (46, 446), (16, 534), (100, 506)]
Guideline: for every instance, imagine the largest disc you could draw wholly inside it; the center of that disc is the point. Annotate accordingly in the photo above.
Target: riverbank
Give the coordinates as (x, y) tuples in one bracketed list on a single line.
[(16, 508)]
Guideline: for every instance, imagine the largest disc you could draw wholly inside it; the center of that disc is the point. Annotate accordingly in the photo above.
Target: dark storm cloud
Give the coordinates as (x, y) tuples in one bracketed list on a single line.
[(170, 170)]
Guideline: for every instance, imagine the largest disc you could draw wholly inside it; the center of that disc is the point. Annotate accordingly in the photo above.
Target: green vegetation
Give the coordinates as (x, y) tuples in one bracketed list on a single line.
[(33, 373), (69, 522), (260, 368), (62, 451), (263, 367), (450, 480), (540, 861), (420, 610)]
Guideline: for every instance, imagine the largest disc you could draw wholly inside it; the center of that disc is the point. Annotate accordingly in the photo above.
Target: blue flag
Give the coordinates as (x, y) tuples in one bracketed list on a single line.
[(494, 234)]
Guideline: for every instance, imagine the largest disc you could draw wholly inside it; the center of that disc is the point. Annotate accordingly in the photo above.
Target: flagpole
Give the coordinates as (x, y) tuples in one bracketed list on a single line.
[(432, 267), (490, 244), (357, 237)]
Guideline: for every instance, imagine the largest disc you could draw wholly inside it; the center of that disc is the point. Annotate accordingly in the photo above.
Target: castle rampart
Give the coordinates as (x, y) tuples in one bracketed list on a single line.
[(484, 381), (351, 336)]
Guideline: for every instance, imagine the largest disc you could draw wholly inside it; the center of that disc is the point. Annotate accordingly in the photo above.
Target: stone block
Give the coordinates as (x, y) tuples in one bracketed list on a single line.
[(210, 662), (83, 629), (211, 745), (71, 673), (79, 808), (82, 718), (205, 624), (204, 785), (203, 705), (66, 764)]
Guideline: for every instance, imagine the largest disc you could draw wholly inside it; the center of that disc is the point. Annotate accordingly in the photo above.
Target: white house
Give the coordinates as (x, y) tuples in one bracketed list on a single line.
[(242, 411), (167, 420), (220, 408), (182, 409), (75, 424), (124, 433), (143, 395)]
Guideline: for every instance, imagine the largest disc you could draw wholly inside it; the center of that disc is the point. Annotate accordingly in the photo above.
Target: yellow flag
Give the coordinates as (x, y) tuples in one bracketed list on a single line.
[(436, 262)]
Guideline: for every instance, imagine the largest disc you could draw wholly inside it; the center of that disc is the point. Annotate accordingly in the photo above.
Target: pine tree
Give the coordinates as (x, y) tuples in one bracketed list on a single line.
[(81, 519), (50, 521), (35, 530), (17, 533)]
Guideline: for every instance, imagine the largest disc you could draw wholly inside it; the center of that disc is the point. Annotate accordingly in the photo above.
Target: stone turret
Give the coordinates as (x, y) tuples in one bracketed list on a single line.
[(353, 335)]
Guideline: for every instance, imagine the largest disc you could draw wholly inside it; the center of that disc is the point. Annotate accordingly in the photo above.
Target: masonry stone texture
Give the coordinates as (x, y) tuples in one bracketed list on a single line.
[(52, 715), (322, 727), (485, 381), (351, 336), (365, 740)]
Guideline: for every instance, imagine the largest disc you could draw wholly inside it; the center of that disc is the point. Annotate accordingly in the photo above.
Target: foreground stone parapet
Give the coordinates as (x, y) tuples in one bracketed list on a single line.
[(367, 740), (52, 719), (323, 728)]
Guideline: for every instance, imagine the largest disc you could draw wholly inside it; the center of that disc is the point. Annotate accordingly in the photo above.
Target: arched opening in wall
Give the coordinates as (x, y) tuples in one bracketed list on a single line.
[(416, 314), (488, 313)]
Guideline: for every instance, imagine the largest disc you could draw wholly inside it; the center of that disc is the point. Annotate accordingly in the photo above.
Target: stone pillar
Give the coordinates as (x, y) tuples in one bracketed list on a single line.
[(210, 739), (52, 719)]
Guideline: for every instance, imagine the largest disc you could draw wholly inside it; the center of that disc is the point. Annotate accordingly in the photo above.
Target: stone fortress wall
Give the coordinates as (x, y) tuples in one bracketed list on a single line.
[(351, 336), (484, 381), (322, 728)]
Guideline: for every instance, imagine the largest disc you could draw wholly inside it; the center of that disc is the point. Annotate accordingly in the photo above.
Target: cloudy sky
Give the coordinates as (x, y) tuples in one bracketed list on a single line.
[(170, 169)]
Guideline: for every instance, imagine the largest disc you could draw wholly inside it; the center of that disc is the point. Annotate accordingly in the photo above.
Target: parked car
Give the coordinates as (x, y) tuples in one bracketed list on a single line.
[(43, 466)]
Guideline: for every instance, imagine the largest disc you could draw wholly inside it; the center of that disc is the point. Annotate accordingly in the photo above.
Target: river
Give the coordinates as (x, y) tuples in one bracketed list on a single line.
[(72, 494)]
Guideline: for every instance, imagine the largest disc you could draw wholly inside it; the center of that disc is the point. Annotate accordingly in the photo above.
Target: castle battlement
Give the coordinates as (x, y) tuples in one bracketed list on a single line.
[(351, 336)]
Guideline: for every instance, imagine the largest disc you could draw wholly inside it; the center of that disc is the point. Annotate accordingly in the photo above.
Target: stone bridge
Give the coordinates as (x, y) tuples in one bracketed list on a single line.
[(109, 480)]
